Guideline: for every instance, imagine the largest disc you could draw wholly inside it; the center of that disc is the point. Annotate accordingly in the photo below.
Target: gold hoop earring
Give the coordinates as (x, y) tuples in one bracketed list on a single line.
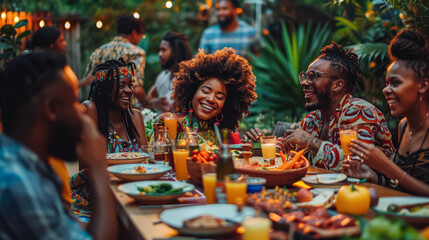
[(221, 117)]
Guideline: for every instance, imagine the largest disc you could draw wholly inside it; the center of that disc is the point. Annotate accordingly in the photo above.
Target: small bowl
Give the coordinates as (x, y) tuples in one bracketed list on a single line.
[(255, 184)]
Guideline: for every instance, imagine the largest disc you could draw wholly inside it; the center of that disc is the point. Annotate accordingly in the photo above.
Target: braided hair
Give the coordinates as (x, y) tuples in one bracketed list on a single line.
[(410, 46), (101, 94), (345, 62)]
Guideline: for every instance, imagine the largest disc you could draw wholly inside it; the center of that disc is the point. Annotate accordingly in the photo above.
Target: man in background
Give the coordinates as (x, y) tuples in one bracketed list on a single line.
[(229, 32), (173, 49), (130, 32)]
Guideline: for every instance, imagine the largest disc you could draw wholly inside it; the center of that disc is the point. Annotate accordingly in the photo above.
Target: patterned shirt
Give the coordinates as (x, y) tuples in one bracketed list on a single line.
[(371, 127), (31, 206), (241, 39)]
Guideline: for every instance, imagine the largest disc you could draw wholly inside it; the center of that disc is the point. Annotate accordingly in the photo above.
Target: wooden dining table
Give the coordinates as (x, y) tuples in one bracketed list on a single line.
[(142, 221)]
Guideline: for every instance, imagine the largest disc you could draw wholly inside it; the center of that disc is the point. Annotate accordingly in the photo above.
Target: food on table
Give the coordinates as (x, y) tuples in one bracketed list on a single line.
[(270, 200), (209, 146), (124, 155), (304, 195), (331, 178), (324, 199), (374, 197), (295, 163), (203, 156), (140, 170), (417, 211), (382, 228), (205, 221), (353, 199), (159, 188)]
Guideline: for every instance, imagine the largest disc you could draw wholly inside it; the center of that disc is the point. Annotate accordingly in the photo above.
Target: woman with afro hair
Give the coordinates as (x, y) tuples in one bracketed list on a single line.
[(407, 92), (213, 89)]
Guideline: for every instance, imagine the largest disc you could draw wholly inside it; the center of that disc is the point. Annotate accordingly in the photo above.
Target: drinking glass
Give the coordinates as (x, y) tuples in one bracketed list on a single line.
[(268, 145), (236, 188), (170, 121), (256, 229), (209, 182), (148, 149), (180, 154), (347, 134)]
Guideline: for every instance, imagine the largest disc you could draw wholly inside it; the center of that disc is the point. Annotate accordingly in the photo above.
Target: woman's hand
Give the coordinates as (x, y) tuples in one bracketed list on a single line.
[(370, 155), (356, 169), (254, 134), (180, 127)]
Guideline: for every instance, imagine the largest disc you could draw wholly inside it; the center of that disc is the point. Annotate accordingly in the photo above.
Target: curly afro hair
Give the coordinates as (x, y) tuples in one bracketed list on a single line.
[(345, 62), (410, 46), (233, 70)]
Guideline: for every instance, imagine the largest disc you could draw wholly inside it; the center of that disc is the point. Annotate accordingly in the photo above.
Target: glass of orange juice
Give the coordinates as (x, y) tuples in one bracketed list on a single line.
[(170, 121), (268, 146), (347, 134), (209, 182), (180, 154), (235, 187)]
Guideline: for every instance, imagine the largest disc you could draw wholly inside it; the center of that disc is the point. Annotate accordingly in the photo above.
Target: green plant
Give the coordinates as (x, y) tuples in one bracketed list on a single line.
[(277, 68), (11, 41)]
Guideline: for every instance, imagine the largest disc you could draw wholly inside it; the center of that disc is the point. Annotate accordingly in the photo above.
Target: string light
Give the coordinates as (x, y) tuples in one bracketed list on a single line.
[(99, 24), (67, 25), (3, 15), (41, 23), (168, 4), (136, 15), (16, 19)]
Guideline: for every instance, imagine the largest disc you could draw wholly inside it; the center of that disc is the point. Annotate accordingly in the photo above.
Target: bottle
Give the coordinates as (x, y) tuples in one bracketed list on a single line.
[(224, 167), (162, 151), (192, 140), (151, 149)]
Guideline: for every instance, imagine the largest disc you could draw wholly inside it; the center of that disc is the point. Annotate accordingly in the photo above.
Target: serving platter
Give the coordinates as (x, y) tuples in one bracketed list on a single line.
[(175, 218), (126, 158), (416, 220), (313, 181), (153, 171)]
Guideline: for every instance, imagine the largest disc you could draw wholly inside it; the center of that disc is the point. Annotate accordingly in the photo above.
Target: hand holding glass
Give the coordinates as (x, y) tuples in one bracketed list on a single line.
[(347, 134)]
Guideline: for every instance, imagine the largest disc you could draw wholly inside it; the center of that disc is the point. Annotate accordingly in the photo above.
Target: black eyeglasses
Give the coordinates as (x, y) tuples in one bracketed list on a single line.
[(311, 76)]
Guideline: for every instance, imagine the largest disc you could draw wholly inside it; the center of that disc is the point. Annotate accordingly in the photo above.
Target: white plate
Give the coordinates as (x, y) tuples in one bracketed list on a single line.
[(416, 220), (113, 160), (175, 218), (313, 182), (131, 190), (118, 171)]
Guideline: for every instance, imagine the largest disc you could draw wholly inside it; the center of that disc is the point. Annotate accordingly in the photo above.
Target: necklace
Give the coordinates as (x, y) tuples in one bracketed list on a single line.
[(411, 132), (116, 144)]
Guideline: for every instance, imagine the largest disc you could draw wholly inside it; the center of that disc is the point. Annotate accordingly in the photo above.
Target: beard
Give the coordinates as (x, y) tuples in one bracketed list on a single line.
[(64, 139), (168, 64), (324, 100), (224, 23)]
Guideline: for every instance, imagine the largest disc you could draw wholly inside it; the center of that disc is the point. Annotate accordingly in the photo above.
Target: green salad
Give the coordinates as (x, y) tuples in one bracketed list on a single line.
[(160, 188)]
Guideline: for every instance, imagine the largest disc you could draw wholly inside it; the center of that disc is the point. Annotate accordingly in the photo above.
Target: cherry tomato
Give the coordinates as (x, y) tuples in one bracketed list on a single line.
[(195, 152), (211, 158), (194, 157)]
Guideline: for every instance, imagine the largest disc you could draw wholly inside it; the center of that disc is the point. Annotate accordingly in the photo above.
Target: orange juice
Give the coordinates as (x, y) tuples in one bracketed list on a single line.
[(256, 229), (209, 183), (180, 156), (171, 124), (235, 190), (346, 137), (268, 150)]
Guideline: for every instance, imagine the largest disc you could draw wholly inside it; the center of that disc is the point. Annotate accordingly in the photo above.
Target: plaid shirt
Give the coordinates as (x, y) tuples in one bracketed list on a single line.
[(31, 206), (371, 127), (241, 39)]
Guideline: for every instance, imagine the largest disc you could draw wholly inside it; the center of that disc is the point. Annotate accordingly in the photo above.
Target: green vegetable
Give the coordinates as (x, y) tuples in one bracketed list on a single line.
[(160, 188)]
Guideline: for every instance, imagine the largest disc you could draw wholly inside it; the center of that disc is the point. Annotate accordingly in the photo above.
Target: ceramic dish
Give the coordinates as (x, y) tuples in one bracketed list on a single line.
[(313, 182), (416, 220), (131, 190), (175, 218), (126, 158), (152, 171)]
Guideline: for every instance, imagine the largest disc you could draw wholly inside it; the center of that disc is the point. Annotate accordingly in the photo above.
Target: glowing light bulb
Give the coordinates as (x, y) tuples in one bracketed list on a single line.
[(168, 4), (67, 25), (136, 15), (16, 19), (3, 15), (41, 23), (99, 24)]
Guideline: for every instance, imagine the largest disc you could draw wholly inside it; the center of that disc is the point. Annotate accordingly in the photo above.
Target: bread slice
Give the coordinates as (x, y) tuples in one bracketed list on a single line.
[(331, 178), (324, 199)]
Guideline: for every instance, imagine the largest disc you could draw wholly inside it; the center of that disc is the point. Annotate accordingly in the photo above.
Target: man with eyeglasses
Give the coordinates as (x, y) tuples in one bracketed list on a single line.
[(327, 85)]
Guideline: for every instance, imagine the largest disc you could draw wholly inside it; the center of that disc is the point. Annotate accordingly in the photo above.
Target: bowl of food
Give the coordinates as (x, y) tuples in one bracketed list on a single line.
[(138, 172), (199, 157), (278, 176), (155, 191), (126, 157)]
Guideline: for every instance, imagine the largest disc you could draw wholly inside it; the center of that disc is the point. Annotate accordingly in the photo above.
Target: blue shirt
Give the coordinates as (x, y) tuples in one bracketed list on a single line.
[(241, 39), (30, 203)]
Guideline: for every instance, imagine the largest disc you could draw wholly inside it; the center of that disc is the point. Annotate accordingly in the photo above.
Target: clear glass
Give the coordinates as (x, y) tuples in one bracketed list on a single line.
[(236, 188), (180, 154), (192, 141), (347, 134), (208, 172), (147, 149), (268, 146), (256, 229), (170, 121), (162, 147)]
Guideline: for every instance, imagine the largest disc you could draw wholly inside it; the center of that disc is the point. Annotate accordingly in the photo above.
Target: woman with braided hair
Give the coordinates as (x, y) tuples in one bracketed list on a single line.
[(109, 106), (407, 92)]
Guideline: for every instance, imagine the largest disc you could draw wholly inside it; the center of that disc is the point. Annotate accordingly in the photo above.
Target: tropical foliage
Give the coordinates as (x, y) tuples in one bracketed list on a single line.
[(11, 41)]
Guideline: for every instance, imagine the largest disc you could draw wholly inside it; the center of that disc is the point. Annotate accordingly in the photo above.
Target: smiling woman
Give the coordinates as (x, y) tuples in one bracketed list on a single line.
[(213, 88)]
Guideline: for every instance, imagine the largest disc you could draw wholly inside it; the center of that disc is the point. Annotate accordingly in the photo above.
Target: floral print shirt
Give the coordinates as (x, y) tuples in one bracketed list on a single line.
[(371, 127)]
